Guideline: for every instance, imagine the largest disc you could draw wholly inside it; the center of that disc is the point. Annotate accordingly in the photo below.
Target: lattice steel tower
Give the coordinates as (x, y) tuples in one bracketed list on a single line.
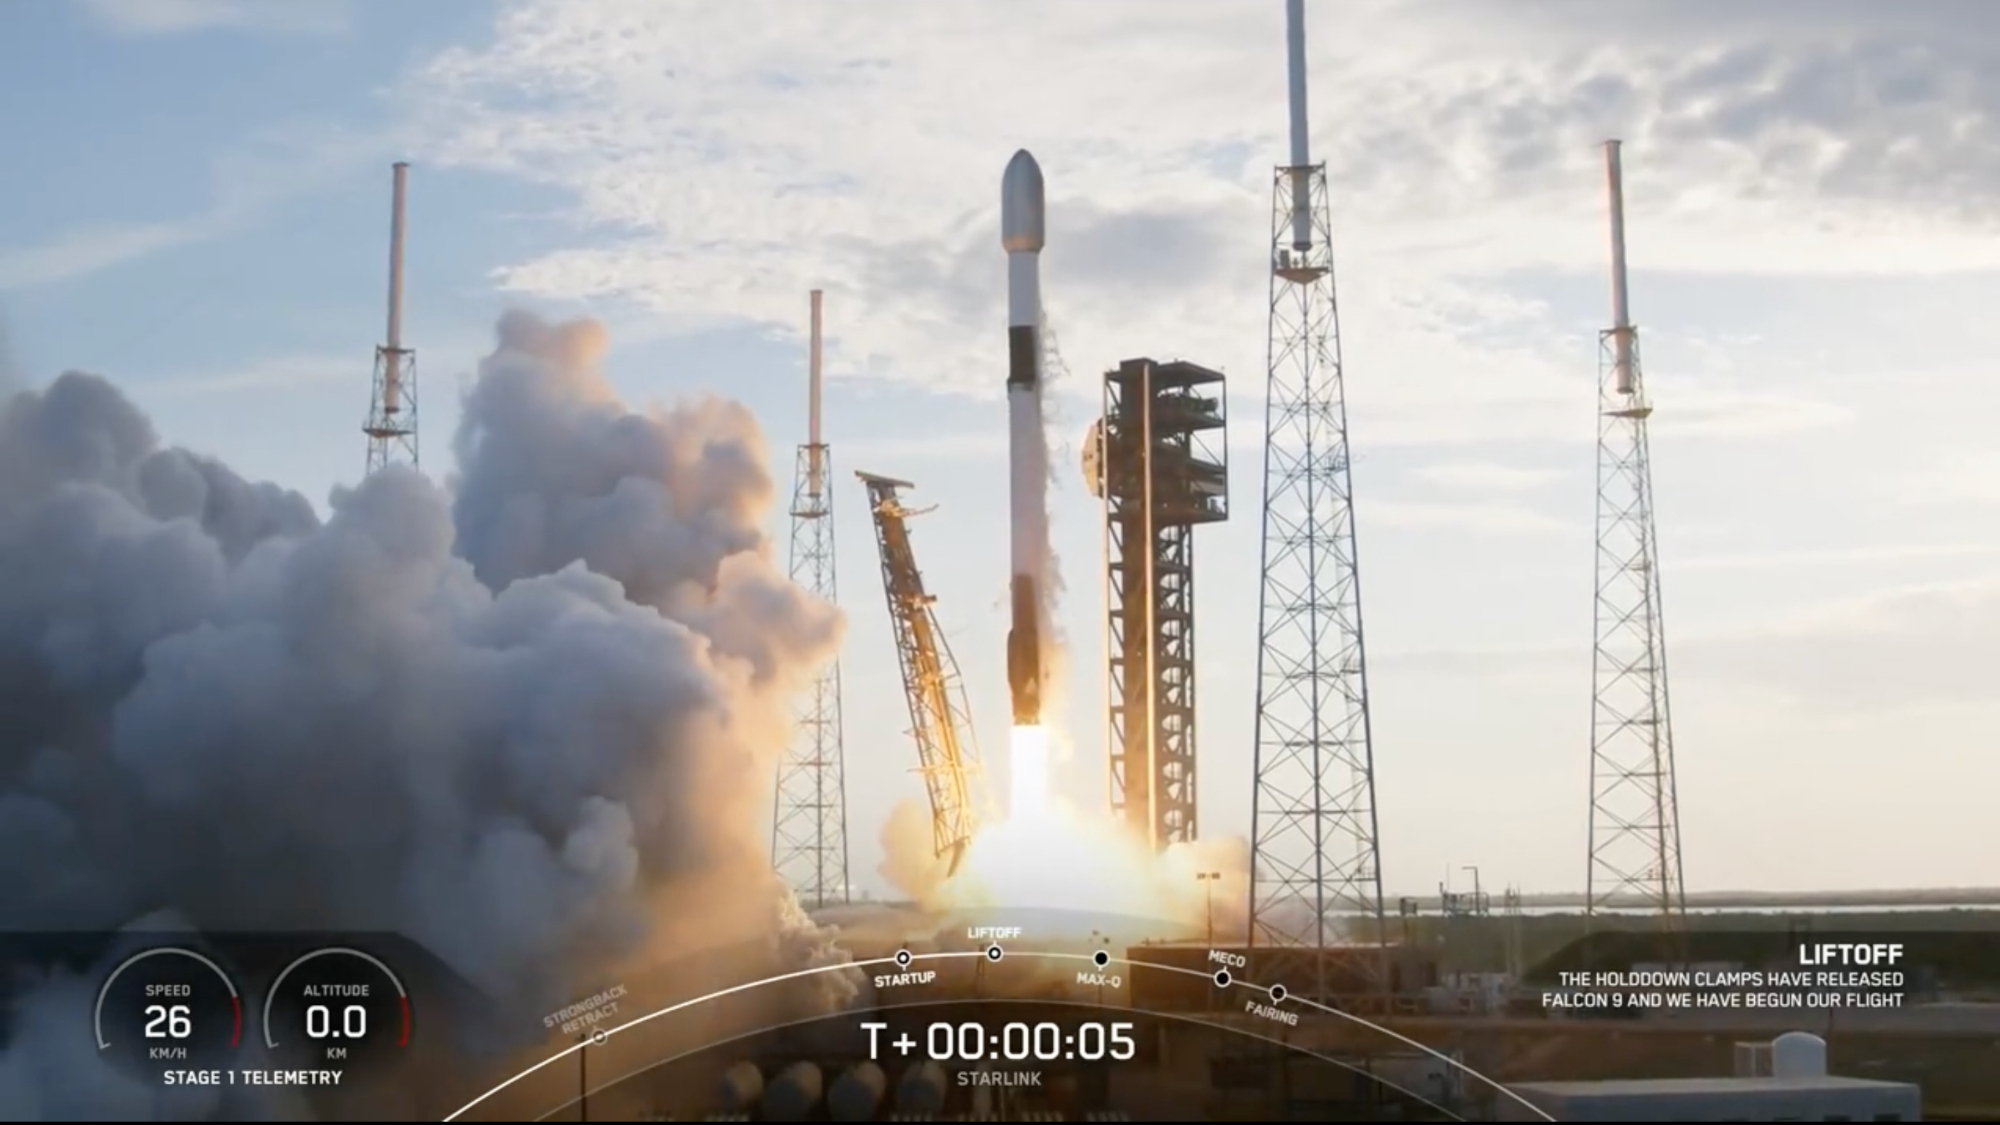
[(1635, 834), (1315, 865), (809, 824), (391, 425)]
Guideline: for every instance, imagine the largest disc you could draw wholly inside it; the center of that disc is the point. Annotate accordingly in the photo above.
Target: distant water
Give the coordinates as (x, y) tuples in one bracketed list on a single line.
[(1786, 908)]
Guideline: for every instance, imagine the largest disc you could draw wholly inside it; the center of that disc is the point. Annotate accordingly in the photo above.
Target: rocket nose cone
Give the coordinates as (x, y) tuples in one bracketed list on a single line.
[(1021, 211)]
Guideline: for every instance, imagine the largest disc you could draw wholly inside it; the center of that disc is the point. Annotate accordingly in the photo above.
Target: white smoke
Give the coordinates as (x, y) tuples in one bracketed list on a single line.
[(1054, 453), (528, 725), (910, 862), (1056, 655)]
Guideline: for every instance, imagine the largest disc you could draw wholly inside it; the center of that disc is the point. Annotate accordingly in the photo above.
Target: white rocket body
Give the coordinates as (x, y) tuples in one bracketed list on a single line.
[(1022, 234)]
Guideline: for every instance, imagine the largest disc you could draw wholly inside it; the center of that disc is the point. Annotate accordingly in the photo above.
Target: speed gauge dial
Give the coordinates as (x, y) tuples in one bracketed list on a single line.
[(341, 1007), (168, 1009)]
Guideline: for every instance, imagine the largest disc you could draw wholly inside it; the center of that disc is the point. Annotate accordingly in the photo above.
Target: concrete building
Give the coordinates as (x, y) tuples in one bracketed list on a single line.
[(1785, 1080)]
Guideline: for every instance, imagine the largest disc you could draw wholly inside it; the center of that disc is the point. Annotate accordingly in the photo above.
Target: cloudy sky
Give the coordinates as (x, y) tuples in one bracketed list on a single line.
[(197, 208)]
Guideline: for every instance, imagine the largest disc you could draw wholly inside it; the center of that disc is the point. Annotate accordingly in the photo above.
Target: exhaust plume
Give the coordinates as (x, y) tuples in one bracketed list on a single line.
[(526, 724), (909, 863)]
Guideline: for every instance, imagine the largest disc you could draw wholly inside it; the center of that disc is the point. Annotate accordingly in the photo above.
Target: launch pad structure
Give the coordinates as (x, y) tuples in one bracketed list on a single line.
[(1635, 834), (809, 823), (1315, 862), (391, 425), (940, 714), (1161, 466)]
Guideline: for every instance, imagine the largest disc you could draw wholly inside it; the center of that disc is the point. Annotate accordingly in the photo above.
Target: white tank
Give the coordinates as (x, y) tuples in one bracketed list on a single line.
[(856, 1093), (794, 1094), (921, 1090), (742, 1085), (1798, 1054)]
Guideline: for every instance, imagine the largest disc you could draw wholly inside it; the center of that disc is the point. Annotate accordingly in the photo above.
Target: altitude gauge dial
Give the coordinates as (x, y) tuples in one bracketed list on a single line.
[(336, 1008), (168, 1009)]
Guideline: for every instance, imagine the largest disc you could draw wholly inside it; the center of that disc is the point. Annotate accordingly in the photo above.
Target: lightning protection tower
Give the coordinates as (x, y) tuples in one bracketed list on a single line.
[(809, 825), (1315, 861), (1635, 835), (391, 425), (1159, 460)]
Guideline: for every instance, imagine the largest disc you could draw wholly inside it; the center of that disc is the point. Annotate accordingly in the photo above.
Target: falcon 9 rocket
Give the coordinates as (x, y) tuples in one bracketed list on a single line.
[(1022, 231)]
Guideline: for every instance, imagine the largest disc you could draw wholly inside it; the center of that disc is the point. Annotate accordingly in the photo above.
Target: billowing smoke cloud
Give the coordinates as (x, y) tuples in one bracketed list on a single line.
[(521, 724), (909, 862), (1221, 906)]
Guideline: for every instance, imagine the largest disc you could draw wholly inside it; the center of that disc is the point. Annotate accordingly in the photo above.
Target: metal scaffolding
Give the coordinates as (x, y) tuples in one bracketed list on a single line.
[(809, 823), (1162, 467), (1315, 874), (1635, 835), (940, 716)]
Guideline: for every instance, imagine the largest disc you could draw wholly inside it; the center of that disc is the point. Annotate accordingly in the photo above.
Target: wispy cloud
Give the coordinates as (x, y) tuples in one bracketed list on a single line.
[(1936, 643), (1968, 478), (1848, 556), (1710, 411), (1486, 663), (973, 445), (1919, 644), (249, 180), (1491, 518), (709, 184), (165, 17), (272, 374), (80, 252), (1471, 476)]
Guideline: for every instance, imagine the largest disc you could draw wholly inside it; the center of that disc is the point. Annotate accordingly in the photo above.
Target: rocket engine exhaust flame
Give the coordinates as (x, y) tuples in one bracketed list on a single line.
[(1028, 774)]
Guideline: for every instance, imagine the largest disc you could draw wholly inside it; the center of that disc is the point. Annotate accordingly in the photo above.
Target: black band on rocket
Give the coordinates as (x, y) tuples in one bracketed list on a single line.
[(1020, 357)]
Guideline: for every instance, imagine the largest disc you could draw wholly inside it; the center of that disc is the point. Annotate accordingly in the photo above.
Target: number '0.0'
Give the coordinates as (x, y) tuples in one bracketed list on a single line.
[(320, 1025)]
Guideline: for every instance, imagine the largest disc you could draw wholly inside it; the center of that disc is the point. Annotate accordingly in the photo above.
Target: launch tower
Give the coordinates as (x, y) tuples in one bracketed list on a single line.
[(391, 425), (809, 824), (1635, 833), (1315, 863), (1161, 466)]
